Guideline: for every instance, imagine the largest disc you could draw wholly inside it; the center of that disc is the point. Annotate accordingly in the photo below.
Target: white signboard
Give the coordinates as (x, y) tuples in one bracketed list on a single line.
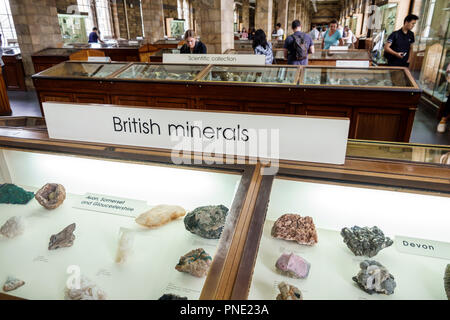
[(423, 247), (99, 59), (352, 63), (290, 137), (239, 59), (338, 48)]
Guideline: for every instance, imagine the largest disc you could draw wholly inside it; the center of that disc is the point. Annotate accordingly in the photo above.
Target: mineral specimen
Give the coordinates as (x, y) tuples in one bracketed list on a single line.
[(374, 278), (207, 221), (365, 241), (125, 248), (10, 193), (195, 262), (160, 215), (447, 281), (170, 296), (293, 266), (63, 239), (294, 227), (288, 292), (51, 195), (12, 284), (86, 290), (13, 227)]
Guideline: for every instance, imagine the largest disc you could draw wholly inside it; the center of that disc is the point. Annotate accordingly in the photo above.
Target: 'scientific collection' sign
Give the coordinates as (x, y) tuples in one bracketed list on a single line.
[(238, 59)]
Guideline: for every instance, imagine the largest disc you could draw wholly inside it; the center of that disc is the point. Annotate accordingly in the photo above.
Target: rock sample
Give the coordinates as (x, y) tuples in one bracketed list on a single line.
[(294, 227), (288, 292), (87, 290), (125, 248), (13, 227), (160, 215), (51, 196), (207, 221), (10, 193), (293, 266), (365, 241), (196, 262), (170, 296), (12, 284), (63, 239), (447, 281), (374, 278)]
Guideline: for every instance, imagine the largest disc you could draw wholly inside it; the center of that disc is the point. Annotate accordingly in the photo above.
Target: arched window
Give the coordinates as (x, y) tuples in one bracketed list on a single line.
[(7, 28)]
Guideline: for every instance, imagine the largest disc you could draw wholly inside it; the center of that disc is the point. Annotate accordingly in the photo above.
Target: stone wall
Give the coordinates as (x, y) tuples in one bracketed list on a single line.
[(37, 28), (153, 16), (134, 19)]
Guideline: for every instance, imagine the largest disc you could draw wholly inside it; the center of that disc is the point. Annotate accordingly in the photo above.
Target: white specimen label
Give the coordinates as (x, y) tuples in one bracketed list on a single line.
[(423, 247), (112, 205)]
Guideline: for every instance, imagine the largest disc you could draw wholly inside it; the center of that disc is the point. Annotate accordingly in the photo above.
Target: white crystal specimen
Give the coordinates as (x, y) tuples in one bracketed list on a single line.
[(87, 290), (13, 227), (125, 248)]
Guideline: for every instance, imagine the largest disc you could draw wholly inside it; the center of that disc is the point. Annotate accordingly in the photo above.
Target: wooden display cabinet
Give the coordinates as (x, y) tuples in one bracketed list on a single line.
[(329, 58), (380, 102), (14, 73)]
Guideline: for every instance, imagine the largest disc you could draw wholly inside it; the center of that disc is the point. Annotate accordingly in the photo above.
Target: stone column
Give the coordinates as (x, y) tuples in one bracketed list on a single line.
[(216, 24), (283, 14), (115, 18), (263, 16), (246, 14), (291, 13), (298, 10), (37, 28), (153, 17)]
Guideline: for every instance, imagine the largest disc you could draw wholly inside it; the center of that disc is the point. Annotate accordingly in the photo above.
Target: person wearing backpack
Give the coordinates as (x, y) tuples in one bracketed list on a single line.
[(397, 49), (298, 45)]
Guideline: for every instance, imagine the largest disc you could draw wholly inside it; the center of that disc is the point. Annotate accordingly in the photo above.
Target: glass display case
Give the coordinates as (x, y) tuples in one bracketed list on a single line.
[(320, 233), (56, 52), (132, 217), (83, 70), (372, 77), (247, 74), (160, 72), (431, 48), (73, 27)]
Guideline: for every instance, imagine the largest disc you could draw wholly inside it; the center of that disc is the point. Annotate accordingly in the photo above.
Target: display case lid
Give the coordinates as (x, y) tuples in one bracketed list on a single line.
[(285, 75), (372, 77), (56, 52), (145, 71), (339, 55), (75, 69)]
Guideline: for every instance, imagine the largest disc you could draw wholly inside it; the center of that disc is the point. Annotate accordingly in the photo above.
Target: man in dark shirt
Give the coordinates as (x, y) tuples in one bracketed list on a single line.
[(398, 47), (291, 53), (94, 36)]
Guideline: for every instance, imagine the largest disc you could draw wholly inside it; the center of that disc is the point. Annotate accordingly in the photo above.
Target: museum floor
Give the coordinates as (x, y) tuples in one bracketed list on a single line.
[(424, 128)]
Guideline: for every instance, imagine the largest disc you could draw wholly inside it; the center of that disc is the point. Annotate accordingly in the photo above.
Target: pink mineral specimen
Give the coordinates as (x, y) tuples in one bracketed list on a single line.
[(293, 266), (294, 227)]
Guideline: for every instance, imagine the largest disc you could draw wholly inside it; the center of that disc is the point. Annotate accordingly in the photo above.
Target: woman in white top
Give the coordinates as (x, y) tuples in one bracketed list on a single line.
[(348, 37)]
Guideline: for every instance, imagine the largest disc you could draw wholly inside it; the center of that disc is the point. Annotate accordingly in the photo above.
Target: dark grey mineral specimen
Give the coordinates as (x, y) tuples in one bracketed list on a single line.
[(447, 281), (365, 241), (375, 278), (63, 239), (207, 221), (170, 296)]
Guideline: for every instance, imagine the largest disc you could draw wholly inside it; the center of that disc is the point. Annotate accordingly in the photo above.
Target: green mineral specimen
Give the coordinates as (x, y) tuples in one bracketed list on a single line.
[(10, 193), (207, 221)]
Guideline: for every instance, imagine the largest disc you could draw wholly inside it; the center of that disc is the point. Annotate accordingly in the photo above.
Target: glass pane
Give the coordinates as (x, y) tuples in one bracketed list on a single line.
[(340, 55), (326, 267), (396, 151), (356, 77), (55, 52), (88, 70), (279, 75), (123, 254), (160, 72)]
